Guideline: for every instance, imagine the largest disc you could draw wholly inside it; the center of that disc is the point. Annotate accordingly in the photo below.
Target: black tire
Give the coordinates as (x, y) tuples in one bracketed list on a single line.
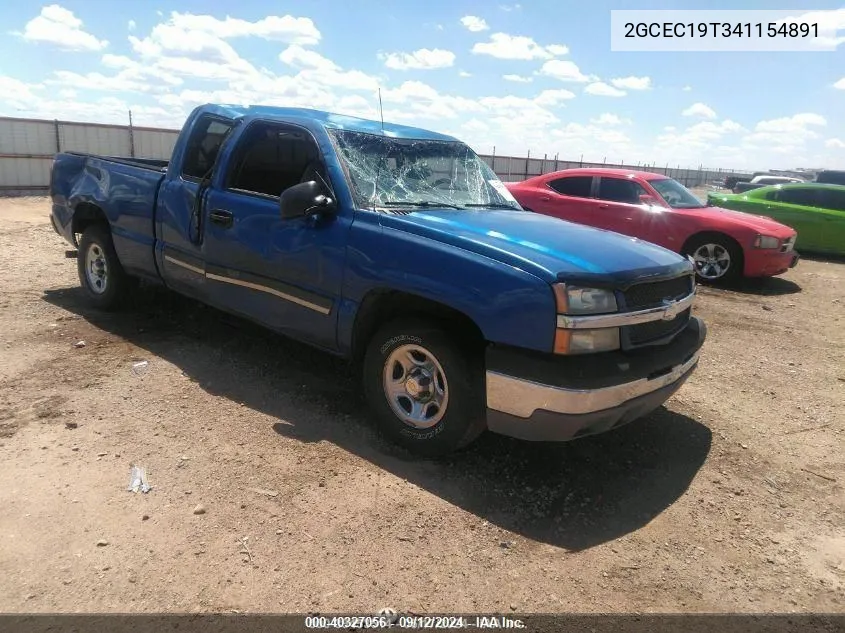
[(719, 241), (463, 416), (115, 282)]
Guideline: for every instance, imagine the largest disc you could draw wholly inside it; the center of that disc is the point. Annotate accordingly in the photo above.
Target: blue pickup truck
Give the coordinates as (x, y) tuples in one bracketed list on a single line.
[(399, 249)]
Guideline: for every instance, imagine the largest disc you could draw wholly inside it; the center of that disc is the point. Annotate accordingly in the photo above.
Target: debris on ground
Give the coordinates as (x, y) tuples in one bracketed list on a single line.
[(268, 493), (102, 542), (140, 368), (71, 425), (199, 509), (138, 480), (79, 344)]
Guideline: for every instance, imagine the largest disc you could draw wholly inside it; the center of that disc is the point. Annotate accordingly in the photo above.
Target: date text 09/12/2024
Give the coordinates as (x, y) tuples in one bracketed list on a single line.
[(414, 622)]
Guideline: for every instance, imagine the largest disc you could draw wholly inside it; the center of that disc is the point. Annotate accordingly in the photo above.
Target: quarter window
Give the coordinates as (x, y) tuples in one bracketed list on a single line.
[(576, 186), (204, 145)]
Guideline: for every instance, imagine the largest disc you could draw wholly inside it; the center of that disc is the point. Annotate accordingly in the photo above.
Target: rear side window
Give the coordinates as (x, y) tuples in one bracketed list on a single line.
[(803, 197), (620, 190), (577, 186), (833, 199), (204, 145)]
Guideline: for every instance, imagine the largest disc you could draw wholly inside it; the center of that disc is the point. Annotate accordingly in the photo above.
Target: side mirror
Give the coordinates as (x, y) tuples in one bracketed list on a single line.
[(306, 198), (648, 199)]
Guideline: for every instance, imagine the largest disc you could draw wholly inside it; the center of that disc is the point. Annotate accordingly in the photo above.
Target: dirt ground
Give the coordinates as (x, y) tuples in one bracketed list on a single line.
[(728, 499)]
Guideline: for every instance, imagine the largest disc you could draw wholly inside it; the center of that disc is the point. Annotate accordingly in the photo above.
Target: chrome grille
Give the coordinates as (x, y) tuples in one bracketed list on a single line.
[(653, 331)]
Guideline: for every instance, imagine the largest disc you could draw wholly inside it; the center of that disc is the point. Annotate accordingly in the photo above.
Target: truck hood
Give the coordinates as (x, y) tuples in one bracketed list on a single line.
[(547, 247), (759, 223)]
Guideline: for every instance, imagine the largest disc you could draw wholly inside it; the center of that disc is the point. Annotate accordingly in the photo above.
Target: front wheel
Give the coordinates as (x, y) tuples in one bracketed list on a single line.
[(426, 391), (717, 259), (102, 277)]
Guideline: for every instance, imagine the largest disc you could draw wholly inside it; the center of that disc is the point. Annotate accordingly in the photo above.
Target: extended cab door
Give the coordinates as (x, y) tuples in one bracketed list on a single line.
[(285, 273), (179, 222), (619, 208)]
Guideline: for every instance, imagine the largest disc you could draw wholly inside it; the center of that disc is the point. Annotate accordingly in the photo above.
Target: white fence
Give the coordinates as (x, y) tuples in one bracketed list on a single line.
[(27, 147)]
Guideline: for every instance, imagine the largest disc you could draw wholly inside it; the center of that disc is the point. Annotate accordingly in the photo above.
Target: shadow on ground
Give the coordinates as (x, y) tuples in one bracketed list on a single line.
[(573, 495), (763, 286)]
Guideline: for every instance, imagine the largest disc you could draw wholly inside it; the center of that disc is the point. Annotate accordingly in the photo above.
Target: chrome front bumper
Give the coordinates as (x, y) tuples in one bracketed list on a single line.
[(532, 411)]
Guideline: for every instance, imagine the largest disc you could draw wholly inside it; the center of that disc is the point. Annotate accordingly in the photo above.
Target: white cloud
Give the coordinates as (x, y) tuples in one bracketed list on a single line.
[(464, 73), (835, 143), (504, 46), (551, 98), (840, 84), (510, 7), (59, 26), (687, 88), (601, 89), (564, 70), (131, 25), (422, 59), (517, 78), (474, 23), (295, 55), (632, 83), (607, 118), (700, 110), (285, 28), (558, 50)]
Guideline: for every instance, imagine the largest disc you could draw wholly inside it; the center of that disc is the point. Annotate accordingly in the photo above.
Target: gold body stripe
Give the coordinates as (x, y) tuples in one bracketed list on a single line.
[(249, 284)]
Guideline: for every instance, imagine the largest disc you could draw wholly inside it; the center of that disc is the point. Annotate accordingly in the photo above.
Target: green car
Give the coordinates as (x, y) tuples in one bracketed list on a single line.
[(816, 211)]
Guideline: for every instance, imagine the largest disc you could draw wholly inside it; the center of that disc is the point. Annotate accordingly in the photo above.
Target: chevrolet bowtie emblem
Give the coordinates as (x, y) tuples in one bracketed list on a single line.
[(671, 309)]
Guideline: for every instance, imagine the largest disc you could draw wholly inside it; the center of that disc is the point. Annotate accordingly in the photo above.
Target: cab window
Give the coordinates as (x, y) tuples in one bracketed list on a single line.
[(620, 190), (576, 186)]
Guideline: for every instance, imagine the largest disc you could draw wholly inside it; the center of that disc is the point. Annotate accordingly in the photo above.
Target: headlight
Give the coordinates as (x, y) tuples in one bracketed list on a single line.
[(586, 341), (577, 300), (766, 241)]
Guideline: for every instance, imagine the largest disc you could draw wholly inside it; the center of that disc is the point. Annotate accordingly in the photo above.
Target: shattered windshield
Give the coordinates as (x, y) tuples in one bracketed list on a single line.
[(392, 173)]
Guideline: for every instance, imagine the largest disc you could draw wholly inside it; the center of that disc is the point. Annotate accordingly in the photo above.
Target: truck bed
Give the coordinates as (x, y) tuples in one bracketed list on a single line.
[(124, 190)]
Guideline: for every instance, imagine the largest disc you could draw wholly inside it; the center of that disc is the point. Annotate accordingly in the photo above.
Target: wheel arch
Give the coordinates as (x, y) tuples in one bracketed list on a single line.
[(709, 234), (380, 306), (84, 215)]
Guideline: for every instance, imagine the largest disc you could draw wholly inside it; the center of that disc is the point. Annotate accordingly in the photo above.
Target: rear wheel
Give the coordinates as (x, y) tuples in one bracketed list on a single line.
[(426, 390), (717, 258), (102, 277)]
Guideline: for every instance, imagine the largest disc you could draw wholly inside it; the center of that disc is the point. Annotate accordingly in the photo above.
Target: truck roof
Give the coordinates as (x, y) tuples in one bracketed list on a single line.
[(326, 119)]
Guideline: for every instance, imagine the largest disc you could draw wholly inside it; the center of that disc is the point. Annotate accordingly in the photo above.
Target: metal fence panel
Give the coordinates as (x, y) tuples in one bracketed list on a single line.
[(27, 137), (90, 139), (24, 173), (154, 143)]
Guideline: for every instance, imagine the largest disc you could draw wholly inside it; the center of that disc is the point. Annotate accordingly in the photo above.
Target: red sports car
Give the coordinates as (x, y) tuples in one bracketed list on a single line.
[(724, 244)]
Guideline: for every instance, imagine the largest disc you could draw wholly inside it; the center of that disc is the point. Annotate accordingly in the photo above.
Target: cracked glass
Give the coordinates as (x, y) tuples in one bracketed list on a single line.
[(394, 174)]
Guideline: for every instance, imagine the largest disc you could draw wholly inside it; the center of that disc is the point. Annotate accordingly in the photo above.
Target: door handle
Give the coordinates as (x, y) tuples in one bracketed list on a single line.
[(222, 217), (545, 198), (603, 206)]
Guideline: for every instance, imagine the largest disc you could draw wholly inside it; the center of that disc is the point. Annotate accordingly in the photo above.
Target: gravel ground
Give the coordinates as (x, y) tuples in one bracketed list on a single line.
[(272, 492)]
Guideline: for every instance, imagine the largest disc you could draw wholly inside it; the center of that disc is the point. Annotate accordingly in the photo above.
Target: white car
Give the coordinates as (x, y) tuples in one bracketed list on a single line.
[(773, 180)]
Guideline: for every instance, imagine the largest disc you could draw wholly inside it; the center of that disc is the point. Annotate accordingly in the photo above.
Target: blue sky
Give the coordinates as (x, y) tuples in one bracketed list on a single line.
[(535, 75)]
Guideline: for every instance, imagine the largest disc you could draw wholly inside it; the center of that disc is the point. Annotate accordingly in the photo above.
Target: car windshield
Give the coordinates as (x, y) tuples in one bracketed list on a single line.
[(392, 173), (675, 194)]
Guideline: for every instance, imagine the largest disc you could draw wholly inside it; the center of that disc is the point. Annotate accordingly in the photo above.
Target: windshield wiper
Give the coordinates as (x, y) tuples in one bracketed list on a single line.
[(419, 203), (492, 205)]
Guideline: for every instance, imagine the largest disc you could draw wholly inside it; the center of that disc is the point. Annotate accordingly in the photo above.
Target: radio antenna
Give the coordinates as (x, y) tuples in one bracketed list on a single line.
[(378, 166), (381, 111)]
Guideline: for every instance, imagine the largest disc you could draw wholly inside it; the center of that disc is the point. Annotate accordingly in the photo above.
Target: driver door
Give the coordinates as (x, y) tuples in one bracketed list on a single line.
[(285, 273)]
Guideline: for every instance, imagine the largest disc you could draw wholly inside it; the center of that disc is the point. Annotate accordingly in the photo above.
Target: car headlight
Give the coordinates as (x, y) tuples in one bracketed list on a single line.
[(586, 341), (578, 300), (766, 241)]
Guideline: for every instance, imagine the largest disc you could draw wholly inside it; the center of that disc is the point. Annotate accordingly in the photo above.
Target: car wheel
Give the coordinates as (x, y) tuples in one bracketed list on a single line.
[(716, 258), (426, 390), (102, 277)]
